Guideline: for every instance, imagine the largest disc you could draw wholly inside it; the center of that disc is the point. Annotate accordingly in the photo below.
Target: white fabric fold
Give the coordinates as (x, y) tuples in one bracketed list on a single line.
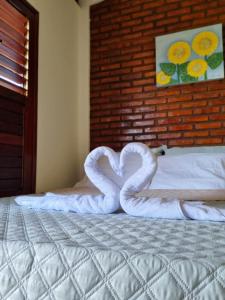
[(83, 201), (169, 208)]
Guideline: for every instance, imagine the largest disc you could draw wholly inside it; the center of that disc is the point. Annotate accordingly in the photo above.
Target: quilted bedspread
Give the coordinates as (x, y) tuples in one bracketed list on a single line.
[(57, 255)]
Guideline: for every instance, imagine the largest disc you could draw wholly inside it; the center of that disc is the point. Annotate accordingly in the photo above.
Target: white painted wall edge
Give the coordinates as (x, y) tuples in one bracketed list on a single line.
[(89, 2)]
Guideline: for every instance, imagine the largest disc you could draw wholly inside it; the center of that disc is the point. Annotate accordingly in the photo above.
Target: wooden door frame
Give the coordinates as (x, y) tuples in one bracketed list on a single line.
[(30, 114)]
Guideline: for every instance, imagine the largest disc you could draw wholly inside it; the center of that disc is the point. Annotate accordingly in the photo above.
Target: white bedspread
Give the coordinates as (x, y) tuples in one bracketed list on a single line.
[(55, 255)]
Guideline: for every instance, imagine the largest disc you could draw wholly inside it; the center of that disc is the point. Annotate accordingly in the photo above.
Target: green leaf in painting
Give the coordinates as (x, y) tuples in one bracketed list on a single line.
[(173, 81), (183, 68), (168, 68), (215, 60), (187, 78)]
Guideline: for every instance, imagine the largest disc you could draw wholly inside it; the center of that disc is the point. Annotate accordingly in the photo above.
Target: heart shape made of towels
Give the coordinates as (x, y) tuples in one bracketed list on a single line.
[(103, 163)]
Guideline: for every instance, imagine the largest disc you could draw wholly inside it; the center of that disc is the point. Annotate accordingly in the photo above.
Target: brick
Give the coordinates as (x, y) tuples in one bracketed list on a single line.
[(196, 134), (142, 82), (110, 93), (143, 123), (217, 132), (181, 98), (110, 119), (153, 4), (217, 117), (181, 142), (155, 101), (145, 137), (167, 21), (167, 92), (156, 129), (123, 138), (190, 2), (144, 109), (132, 131), (178, 12), (110, 67), (120, 125), (155, 115), (175, 120), (110, 132), (194, 104), (121, 111), (180, 127), (143, 27), (209, 141), (208, 125), (192, 16), (184, 112), (206, 110), (132, 63), (143, 55), (131, 23), (131, 104), (132, 117), (195, 119), (132, 90), (208, 95), (167, 136), (167, 8)]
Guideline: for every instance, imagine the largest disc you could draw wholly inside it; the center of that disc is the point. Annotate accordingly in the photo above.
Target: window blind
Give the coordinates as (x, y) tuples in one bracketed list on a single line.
[(14, 45)]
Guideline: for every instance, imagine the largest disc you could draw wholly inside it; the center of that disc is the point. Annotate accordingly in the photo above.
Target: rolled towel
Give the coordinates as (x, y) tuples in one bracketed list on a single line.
[(160, 207), (107, 201)]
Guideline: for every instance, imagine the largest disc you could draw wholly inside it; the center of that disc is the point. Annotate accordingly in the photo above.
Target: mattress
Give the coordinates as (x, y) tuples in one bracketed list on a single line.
[(57, 255)]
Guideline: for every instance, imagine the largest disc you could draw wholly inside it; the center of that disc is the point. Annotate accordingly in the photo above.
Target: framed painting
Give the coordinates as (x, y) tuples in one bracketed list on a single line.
[(190, 56)]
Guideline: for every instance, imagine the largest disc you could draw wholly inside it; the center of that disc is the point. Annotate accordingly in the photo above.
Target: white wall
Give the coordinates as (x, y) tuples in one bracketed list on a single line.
[(83, 100), (58, 150)]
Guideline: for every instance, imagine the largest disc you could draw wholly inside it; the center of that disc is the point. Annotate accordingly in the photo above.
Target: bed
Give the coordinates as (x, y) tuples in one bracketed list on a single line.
[(62, 255)]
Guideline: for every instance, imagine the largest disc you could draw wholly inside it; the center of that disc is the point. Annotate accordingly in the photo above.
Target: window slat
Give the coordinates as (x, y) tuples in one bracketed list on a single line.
[(12, 10), (12, 87), (11, 65), (12, 44), (14, 47), (15, 35), (16, 78), (11, 54), (12, 21)]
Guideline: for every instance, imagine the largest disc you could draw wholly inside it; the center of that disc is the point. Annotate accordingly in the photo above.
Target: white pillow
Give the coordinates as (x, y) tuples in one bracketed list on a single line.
[(133, 163), (184, 150), (190, 171)]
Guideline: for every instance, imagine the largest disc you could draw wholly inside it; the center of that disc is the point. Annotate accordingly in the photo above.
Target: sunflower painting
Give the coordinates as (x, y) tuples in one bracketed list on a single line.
[(190, 56)]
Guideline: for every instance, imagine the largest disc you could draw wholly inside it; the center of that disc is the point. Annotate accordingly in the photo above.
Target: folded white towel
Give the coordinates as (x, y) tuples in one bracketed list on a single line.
[(89, 201), (169, 208)]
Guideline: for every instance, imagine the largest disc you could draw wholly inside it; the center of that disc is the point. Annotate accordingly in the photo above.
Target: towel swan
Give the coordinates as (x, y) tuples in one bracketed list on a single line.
[(136, 205), (164, 208), (104, 203)]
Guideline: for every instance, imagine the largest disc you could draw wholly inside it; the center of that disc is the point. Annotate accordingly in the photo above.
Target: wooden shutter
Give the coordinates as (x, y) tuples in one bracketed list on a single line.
[(14, 43), (18, 96)]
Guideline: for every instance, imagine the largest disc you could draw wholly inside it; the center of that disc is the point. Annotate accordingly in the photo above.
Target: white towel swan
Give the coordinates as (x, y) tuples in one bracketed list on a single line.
[(160, 207), (104, 203)]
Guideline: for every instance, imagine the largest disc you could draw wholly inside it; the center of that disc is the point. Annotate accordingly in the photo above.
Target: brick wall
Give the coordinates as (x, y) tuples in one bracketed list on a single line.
[(126, 106)]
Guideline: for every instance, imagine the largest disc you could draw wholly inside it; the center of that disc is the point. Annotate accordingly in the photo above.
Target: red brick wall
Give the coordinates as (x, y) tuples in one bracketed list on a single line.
[(126, 106)]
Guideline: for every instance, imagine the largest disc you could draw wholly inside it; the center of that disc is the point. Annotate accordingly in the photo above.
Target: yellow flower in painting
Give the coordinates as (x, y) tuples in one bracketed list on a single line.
[(179, 52), (205, 43), (162, 78), (197, 67)]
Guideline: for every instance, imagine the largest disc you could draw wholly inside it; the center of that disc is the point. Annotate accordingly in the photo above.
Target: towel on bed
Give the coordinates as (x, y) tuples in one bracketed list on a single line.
[(156, 206), (83, 201)]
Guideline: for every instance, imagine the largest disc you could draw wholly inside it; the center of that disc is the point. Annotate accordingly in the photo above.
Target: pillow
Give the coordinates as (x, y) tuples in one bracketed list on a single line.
[(190, 171), (183, 150), (133, 163)]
